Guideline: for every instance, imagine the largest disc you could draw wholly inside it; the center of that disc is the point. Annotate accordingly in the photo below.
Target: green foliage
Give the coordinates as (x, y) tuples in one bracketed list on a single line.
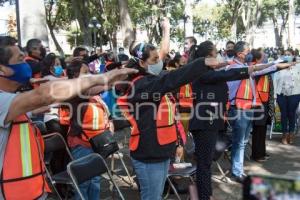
[(277, 8), (148, 15)]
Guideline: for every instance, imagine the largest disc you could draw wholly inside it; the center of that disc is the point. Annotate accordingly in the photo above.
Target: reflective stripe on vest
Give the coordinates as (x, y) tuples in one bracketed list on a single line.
[(247, 90), (95, 119), (186, 96), (23, 173), (165, 121), (263, 89), (244, 96), (187, 90), (171, 118), (266, 84), (25, 150)]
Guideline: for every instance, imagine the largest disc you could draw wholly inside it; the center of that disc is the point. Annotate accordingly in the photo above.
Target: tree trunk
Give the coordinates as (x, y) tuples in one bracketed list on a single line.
[(81, 16), (31, 20), (126, 23), (57, 45), (189, 30), (291, 29), (251, 19), (115, 44), (278, 34), (234, 29)]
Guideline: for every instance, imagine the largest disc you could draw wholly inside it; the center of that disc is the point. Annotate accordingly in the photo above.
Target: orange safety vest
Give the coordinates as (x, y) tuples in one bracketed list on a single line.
[(64, 115), (165, 120), (263, 89), (94, 120), (23, 172), (186, 96), (244, 96)]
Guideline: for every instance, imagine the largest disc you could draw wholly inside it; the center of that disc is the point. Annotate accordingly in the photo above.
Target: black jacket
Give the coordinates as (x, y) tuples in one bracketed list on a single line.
[(147, 92), (211, 96)]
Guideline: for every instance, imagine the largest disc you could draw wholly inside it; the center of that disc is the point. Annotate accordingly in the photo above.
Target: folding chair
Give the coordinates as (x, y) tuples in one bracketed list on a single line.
[(114, 172), (188, 172), (55, 142), (112, 151), (223, 146), (87, 167), (224, 173), (41, 126)]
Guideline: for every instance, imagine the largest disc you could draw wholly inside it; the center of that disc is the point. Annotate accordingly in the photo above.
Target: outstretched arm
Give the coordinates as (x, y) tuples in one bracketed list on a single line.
[(59, 91)]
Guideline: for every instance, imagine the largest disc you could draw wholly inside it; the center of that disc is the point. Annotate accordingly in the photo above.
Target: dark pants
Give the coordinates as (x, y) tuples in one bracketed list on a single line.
[(205, 144), (288, 106), (259, 141)]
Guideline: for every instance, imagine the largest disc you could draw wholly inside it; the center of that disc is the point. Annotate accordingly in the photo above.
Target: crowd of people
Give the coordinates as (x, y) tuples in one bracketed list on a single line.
[(163, 96)]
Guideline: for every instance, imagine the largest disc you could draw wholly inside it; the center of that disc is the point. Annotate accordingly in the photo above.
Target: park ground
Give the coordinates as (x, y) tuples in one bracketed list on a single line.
[(284, 160)]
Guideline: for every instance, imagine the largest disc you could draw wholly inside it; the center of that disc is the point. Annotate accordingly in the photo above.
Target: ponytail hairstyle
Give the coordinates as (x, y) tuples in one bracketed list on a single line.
[(73, 70), (138, 52), (201, 51)]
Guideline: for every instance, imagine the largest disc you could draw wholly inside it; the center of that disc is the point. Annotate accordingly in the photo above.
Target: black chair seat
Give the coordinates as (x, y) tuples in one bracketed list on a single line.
[(189, 171), (62, 178)]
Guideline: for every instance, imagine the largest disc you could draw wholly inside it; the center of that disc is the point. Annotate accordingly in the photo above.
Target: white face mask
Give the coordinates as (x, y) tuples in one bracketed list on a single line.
[(156, 68)]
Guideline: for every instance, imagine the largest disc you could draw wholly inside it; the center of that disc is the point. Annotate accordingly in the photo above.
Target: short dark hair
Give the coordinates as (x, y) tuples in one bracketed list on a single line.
[(256, 54), (230, 42), (32, 44), (5, 52), (240, 46), (74, 67), (121, 49), (77, 51), (192, 39)]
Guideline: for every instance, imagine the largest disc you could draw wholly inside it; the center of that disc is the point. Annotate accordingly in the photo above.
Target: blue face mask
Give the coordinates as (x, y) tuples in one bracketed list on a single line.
[(156, 68), (58, 71), (248, 58), (288, 59), (22, 73)]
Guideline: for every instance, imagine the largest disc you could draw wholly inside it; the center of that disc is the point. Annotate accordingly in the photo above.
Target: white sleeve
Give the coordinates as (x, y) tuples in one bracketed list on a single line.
[(5, 102)]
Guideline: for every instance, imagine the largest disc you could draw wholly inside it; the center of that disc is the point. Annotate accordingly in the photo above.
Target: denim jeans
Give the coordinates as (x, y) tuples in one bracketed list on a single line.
[(241, 123), (91, 188), (288, 106), (152, 178)]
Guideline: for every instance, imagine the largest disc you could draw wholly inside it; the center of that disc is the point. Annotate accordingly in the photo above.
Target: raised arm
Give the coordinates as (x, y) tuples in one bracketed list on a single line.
[(165, 43), (59, 91)]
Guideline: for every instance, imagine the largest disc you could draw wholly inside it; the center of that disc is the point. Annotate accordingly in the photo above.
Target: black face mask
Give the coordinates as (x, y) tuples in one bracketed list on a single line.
[(230, 53), (43, 52)]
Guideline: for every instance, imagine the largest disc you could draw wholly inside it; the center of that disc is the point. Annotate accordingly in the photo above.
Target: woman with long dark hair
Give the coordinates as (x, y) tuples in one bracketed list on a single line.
[(211, 96), (211, 92), (52, 70), (149, 106)]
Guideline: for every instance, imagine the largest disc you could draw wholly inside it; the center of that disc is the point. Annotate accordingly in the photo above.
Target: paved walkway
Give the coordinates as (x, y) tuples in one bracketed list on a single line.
[(285, 160)]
